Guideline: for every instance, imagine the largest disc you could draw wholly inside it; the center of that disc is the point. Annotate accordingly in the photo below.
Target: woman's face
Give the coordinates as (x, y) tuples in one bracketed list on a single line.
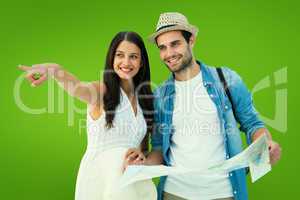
[(127, 60)]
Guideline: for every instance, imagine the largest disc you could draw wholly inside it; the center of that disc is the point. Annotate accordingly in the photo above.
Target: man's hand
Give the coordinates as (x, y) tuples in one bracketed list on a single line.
[(275, 152), (274, 147)]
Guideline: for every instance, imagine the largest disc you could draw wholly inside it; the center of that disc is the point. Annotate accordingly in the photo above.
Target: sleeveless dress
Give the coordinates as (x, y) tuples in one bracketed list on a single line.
[(101, 166)]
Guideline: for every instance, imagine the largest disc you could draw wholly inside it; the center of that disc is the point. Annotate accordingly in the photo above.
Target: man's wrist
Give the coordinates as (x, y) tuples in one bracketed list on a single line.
[(259, 132)]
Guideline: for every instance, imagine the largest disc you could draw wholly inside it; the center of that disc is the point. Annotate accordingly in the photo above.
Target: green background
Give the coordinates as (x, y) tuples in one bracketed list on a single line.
[(40, 154)]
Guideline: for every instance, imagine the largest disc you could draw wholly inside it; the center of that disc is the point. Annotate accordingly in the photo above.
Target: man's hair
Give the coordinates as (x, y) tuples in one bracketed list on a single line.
[(187, 35)]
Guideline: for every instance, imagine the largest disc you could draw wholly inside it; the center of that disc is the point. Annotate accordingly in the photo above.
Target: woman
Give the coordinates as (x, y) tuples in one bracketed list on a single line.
[(119, 111)]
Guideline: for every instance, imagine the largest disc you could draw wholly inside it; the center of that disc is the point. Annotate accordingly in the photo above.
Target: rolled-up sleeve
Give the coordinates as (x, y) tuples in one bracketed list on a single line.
[(245, 112)]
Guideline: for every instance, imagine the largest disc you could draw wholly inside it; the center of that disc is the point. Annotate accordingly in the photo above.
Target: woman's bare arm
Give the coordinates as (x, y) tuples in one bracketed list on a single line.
[(88, 92)]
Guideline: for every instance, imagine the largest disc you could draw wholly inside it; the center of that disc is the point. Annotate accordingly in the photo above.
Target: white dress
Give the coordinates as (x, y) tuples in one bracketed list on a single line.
[(101, 165)]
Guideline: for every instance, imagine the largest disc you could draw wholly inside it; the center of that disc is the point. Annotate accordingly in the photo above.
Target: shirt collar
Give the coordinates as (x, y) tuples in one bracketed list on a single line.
[(206, 77)]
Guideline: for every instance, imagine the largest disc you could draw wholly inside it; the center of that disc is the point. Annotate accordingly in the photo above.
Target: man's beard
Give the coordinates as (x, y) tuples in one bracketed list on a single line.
[(186, 62)]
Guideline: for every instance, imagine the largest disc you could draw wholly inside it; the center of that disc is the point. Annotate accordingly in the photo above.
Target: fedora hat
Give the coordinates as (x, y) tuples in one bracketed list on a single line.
[(172, 21)]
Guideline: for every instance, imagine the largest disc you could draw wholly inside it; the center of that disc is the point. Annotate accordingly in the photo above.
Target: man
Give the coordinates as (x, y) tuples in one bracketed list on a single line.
[(196, 123)]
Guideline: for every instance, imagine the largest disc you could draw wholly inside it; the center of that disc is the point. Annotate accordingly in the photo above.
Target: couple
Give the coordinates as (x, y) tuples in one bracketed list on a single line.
[(192, 119)]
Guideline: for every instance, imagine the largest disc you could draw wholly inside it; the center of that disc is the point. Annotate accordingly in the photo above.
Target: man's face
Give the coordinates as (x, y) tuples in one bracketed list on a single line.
[(174, 51)]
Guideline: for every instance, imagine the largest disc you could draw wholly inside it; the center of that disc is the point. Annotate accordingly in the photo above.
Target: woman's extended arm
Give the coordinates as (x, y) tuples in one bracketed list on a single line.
[(88, 92)]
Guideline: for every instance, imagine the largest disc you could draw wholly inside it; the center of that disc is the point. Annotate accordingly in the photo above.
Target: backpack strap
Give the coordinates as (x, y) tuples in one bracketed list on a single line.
[(226, 88)]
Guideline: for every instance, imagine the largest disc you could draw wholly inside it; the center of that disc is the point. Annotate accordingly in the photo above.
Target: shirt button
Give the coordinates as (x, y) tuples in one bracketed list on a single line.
[(227, 156), (230, 174), (211, 95), (234, 192), (226, 107)]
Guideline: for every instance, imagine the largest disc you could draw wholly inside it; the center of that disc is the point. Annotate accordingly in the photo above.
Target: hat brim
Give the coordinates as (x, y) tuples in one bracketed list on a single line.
[(192, 29)]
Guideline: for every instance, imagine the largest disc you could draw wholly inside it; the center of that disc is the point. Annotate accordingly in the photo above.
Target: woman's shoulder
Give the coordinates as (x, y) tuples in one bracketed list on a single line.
[(96, 110), (97, 88)]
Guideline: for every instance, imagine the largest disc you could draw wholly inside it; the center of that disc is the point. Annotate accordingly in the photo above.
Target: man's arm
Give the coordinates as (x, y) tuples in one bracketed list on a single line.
[(155, 157), (246, 114)]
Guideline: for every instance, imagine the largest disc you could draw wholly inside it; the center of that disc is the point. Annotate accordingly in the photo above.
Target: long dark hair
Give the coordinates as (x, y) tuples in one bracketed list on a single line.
[(141, 82)]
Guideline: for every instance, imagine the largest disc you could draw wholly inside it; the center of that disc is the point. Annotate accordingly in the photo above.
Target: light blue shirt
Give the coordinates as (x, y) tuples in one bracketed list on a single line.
[(245, 113)]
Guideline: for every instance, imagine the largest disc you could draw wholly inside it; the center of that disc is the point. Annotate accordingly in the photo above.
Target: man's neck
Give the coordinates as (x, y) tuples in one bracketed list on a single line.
[(189, 73)]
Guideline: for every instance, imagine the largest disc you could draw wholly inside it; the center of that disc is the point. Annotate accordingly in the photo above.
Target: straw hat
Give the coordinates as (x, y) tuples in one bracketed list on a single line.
[(172, 21)]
